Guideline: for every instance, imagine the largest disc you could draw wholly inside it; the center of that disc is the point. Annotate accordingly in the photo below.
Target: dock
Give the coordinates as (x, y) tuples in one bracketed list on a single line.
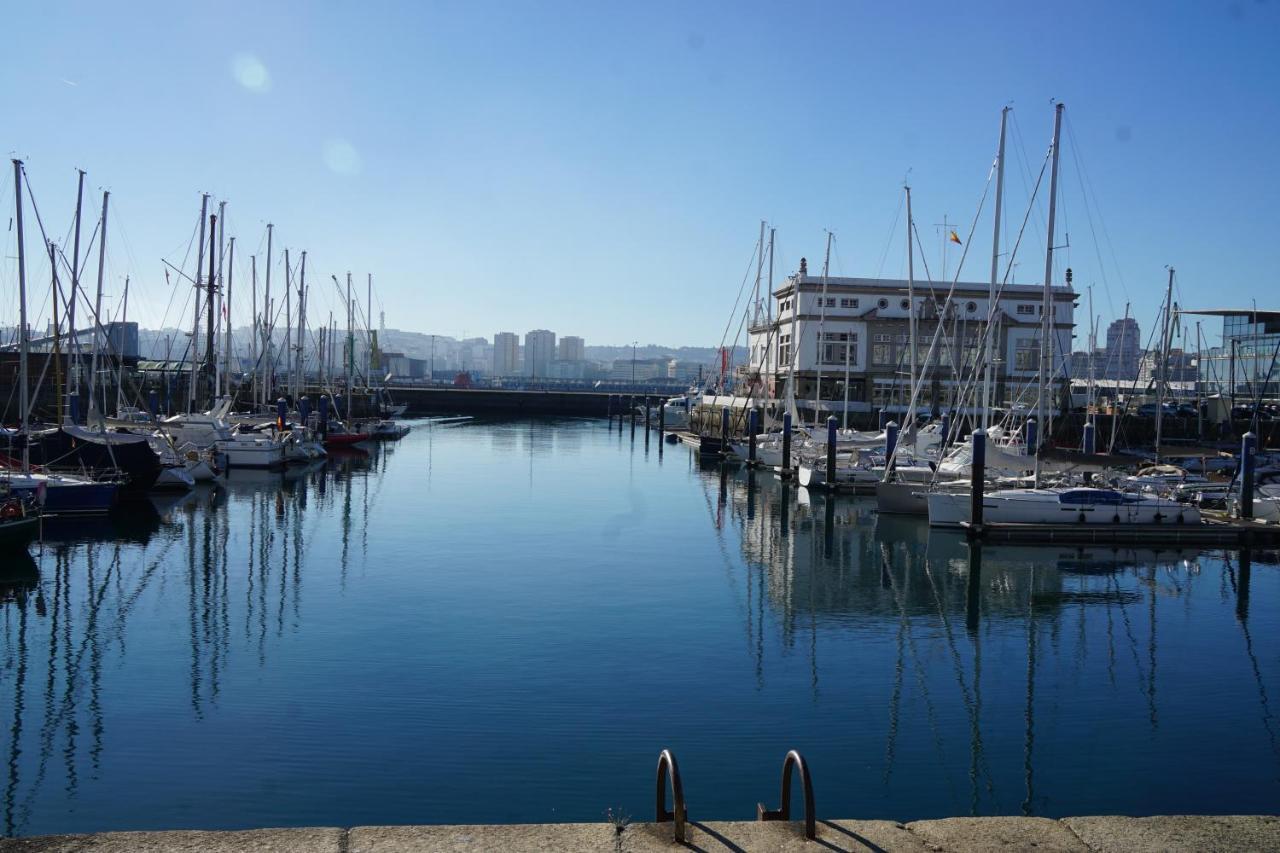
[(1218, 530), (1070, 835)]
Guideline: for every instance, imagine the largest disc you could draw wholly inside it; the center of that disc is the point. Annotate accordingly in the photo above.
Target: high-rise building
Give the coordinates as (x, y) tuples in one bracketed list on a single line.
[(506, 354), (1124, 349), (572, 348), (539, 352)]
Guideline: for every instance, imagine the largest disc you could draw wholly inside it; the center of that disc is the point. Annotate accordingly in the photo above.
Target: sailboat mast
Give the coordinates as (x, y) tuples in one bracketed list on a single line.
[(822, 322), (910, 419), (57, 333), (302, 327), (288, 324), (97, 308), (351, 347), (253, 330), (222, 254), (226, 302), (75, 286), (24, 345), (1162, 377), (267, 323), (210, 365), (195, 320), (124, 318), (368, 326), (1046, 307), (989, 361)]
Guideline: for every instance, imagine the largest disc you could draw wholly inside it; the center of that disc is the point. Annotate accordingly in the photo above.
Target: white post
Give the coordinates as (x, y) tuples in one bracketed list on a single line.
[(268, 325), (23, 336), (195, 320), (909, 421), (989, 367)]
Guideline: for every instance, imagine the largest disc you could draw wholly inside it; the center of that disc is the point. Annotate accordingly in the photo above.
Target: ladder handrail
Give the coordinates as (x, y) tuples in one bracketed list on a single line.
[(784, 813), (679, 814)]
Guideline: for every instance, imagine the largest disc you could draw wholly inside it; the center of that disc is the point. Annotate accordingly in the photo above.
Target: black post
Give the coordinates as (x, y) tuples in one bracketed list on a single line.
[(631, 407), (786, 445), (646, 411), (753, 427), (829, 478), (977, 479), (1247, 444), (662, 417), (724, 431)]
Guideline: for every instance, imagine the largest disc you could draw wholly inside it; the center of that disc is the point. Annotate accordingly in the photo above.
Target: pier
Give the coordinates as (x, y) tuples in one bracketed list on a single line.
[(1070, 835)]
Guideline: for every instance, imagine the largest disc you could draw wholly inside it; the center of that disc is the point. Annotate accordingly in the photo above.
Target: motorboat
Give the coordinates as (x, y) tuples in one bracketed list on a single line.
[(211, 430)]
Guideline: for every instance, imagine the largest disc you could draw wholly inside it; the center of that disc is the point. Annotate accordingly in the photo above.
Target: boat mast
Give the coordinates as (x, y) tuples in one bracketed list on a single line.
[(253, 336), (75, 287), (908, 423), (57, 338), (288, 325), (210, 359), (351, 347), (124, 318), (368, 326), (97, 311), (195, 320), (302, 328), (988, 385), (24, 344), (268, 324), (222, 254), (226, 302), (1046, 307), (1162, 377), (822, 321)]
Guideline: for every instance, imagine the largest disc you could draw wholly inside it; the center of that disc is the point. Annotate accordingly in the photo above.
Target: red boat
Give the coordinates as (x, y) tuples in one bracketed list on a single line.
[(342, 439)]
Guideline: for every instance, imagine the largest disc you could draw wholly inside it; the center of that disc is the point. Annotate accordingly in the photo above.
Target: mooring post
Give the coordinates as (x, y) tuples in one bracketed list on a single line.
[(883, 419), (324, 416), (1247, 445), (724, 430), (647, 402), (830, 477), (631, 407), (977, 479), (786, 444), (662, 416), (608, 407), (1032, 434), (304, 410), (153, 400), (1089, 443), (753, 426), (282, 413)]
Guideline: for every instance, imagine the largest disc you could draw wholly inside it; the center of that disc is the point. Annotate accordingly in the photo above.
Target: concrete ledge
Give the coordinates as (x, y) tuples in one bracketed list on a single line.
[(1191, 833)]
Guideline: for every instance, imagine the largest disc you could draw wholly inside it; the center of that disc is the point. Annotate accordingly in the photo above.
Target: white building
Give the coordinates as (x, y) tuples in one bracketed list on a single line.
[(539, 352), (865, 331), (506, 354), (573, 348)]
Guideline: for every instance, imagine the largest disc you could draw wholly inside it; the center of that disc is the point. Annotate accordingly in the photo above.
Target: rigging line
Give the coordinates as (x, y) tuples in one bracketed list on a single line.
[(1106, 235), (741, 288), (1088, 212), (1024, 164), (893, 229)]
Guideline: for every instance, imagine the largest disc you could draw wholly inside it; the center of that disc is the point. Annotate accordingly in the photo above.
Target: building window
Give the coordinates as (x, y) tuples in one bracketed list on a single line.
[(848, 303), (1026, 309), (883, 303), (881, 354), (831, 302), (835, 347), (971, 307), (1026, 354), (905, 304)]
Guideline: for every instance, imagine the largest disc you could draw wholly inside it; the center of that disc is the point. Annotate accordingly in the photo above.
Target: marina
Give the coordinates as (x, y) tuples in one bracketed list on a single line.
[(284, 643)]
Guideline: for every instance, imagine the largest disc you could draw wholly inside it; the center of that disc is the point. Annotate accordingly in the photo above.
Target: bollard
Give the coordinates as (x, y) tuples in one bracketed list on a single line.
[(977, 479), (724, 430), (786, 445), (890, 441), (1089, 443), (304, 409), (153, 401), (753, 425), (282, 411), (883, 419), (324, 416), (1032, 436), (1247, 445), (830, 477)]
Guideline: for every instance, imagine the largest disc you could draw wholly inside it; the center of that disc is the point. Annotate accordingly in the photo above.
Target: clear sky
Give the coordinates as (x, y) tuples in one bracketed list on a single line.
[(602, 168)]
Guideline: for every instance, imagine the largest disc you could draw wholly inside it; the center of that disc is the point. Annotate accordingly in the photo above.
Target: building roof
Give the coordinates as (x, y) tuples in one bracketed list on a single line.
[(921, 285), (1260, 313)]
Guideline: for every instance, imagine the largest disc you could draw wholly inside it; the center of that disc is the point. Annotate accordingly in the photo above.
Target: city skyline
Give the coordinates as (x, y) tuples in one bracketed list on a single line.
[(649, 187)]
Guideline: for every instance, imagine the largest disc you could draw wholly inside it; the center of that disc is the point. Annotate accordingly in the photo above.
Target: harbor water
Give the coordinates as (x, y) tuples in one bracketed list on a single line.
[(505, 621)]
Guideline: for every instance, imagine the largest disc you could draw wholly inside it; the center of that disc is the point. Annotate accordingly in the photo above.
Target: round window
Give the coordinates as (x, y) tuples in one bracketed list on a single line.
[(972, 306), (884, 303), (905, 304)]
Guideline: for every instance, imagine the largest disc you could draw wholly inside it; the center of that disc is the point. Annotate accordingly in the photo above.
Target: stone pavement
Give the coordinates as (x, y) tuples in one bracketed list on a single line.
[(1178, 832)]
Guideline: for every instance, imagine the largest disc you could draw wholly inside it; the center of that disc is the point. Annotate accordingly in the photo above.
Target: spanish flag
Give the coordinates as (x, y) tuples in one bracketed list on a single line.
[(955, 239)]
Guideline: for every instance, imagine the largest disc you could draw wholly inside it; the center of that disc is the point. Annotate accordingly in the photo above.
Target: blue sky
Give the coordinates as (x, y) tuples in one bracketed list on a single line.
[(601, 169)]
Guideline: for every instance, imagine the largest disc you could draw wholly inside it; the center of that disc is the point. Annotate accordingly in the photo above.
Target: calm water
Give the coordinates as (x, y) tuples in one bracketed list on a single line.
[(506, 622)]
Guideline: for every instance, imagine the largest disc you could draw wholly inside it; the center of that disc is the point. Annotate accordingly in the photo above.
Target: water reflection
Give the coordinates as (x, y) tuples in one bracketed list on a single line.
[(68, 607), (923, 675)]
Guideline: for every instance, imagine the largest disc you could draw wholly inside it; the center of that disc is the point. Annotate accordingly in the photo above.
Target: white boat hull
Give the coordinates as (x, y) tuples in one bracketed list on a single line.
[(1047, 506)]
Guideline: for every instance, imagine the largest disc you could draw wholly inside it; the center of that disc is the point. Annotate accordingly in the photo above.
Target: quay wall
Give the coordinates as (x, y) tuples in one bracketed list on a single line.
[(1071, 835)]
